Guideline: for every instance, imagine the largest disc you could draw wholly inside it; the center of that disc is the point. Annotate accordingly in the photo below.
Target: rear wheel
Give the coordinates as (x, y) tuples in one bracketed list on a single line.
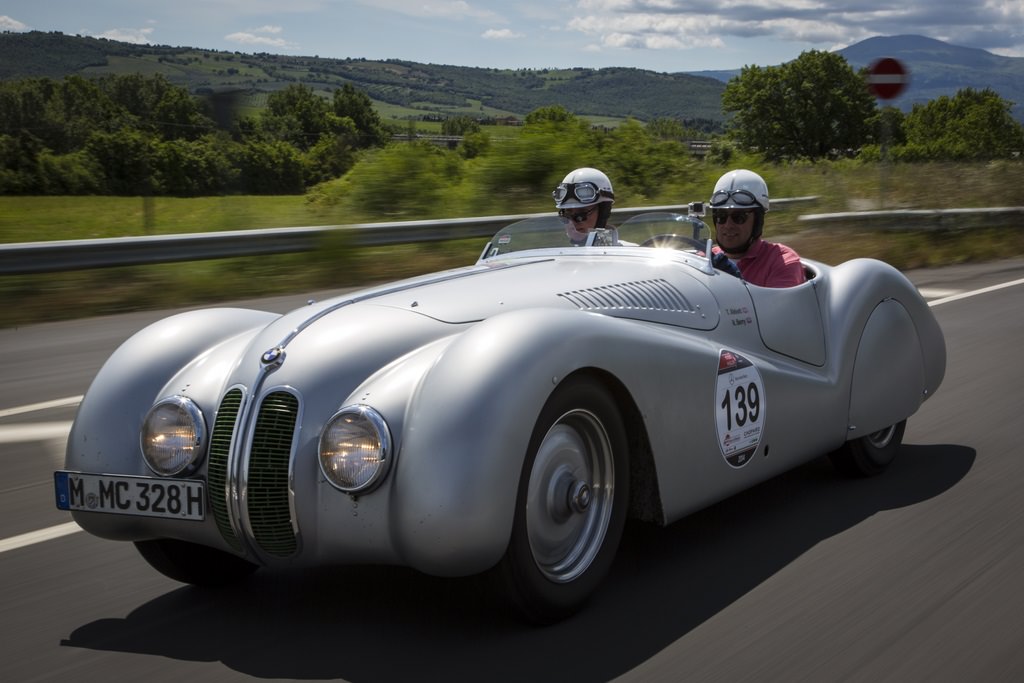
[(571, 504), (193, 563), (869, 455)]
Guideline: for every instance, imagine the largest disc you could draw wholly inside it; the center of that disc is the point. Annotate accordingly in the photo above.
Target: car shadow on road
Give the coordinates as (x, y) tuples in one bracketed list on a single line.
[(387, 624)]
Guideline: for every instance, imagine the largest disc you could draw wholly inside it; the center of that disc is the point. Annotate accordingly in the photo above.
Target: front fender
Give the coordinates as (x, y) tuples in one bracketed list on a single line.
[(468, 426), (105, 434)]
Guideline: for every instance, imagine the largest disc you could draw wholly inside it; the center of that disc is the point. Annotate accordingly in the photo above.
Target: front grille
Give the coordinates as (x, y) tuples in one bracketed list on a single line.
[(641, 295), (220, 448), (267, 489)]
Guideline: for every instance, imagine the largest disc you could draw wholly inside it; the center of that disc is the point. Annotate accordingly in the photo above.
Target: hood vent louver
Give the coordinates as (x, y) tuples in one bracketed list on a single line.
[(641, 295)]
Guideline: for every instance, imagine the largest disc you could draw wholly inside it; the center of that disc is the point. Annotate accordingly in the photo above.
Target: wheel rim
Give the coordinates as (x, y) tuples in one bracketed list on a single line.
[(570, 496), (882, 437)]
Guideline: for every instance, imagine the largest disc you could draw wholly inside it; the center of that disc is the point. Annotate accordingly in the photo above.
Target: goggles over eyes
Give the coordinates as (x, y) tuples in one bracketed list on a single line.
[(583, 192), (738, 197)]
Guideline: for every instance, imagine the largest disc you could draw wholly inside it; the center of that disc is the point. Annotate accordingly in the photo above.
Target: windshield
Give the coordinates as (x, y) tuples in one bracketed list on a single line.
[(656, 229)]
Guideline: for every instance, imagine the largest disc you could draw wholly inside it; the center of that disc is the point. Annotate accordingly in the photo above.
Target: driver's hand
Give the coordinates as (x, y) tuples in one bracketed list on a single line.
[(725, 264)]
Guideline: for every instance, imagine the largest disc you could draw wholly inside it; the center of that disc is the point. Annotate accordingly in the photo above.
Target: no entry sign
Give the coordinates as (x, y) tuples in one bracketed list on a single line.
[(887, 78)]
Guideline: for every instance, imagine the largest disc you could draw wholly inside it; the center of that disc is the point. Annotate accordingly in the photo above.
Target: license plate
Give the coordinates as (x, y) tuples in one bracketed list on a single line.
[(128, 495)]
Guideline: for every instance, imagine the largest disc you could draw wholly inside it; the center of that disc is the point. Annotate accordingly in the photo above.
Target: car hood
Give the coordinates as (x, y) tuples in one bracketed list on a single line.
[(629, 288), (327, 349)]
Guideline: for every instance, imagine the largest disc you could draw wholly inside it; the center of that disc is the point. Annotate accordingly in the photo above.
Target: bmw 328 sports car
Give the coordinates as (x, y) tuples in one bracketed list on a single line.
[(502, 419)]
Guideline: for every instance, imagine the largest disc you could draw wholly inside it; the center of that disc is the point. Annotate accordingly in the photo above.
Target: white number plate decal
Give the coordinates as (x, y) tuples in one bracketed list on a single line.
[(125, 495), (740, 408)]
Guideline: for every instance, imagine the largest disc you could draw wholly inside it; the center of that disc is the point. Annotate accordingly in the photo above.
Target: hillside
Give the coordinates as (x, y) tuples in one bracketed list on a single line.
[(404, 89), (411, 90)]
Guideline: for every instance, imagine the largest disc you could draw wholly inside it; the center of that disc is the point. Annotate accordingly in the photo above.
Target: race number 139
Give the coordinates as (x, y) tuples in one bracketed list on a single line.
[(739, 409)]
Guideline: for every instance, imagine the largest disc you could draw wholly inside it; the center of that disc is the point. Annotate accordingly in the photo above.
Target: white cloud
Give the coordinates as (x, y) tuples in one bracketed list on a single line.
[(9, 24), (264, 36), (455, 9), (500, 34), (137, 36)]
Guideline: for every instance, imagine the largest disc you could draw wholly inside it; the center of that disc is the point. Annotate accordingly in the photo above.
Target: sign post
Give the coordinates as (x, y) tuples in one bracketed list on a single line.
[(887, 79)]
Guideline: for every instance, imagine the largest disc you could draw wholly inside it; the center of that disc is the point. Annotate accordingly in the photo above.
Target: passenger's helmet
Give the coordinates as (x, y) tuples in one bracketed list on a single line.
[(742, 189), (585, 187), (582, 188)]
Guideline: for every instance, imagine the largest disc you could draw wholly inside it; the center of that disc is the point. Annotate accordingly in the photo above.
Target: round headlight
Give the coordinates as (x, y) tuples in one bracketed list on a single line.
[(173, 436), (355, 449)]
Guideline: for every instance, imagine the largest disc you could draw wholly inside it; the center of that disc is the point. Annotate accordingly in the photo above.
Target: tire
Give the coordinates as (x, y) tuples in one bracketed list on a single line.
[(571, 504), (192, 563), (869, 455)]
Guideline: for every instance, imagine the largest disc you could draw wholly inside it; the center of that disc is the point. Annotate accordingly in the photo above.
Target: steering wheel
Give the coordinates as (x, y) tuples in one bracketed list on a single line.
[(673, 241), (718, 259)]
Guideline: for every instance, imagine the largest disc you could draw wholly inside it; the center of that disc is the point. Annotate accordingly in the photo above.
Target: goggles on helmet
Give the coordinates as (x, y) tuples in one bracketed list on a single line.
[(739, 198), (583, 192)]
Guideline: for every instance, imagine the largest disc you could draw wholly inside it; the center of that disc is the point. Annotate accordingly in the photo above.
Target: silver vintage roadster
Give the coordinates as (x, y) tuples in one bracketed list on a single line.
[(502, 419)]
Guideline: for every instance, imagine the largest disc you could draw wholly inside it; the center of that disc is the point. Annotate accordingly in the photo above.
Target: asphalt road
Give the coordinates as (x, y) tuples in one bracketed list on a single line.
[(912, 576)]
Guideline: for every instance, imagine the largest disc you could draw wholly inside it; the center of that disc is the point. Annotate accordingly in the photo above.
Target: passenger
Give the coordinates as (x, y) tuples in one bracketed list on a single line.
[(738, 206), (584, 199)]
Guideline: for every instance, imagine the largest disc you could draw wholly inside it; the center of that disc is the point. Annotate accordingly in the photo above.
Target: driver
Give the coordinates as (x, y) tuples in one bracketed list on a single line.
[(584, 200), (738, 205)]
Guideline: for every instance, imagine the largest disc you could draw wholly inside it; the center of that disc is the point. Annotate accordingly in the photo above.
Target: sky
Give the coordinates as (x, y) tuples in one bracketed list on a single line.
[(659, 35)]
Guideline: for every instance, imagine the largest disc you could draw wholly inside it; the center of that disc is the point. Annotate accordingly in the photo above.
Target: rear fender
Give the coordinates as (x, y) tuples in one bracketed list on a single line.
[(888, 373)]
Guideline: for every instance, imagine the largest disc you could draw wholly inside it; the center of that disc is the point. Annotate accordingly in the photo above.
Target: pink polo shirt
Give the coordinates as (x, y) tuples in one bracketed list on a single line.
[(770, 264)]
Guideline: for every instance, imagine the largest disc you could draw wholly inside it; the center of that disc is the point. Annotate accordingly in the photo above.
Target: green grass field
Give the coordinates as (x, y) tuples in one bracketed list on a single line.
[(839, 187)]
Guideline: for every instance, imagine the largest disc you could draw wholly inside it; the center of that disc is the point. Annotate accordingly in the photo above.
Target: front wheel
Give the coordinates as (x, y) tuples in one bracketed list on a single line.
[(571, 503), (194, 563), (869, 455)]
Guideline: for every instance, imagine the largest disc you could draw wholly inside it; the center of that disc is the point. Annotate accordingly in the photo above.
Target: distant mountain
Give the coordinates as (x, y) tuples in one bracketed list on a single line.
[(936, 68), (406, 89)]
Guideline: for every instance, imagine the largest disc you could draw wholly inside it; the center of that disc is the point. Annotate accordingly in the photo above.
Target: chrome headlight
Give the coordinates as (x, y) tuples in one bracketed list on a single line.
[(173, 436), (355, 449)]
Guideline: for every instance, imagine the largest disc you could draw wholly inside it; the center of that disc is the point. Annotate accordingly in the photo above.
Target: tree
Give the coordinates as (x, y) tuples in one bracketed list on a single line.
[(295, 115), (355, 105), (640, 165), (155, 105), (973, 124), (813, 107), (551, 143), (403, 180), (552, 114), (273, 167), (459, 125)]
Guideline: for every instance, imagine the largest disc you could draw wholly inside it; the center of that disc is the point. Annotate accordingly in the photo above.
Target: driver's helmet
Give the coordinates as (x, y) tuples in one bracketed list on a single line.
[(742, 189)]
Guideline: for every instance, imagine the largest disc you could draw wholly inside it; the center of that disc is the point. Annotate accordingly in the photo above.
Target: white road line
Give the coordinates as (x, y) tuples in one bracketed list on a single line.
[(936, 293), (70, 527), (38, 431), (976, 292), (33, 537), (57, 403)]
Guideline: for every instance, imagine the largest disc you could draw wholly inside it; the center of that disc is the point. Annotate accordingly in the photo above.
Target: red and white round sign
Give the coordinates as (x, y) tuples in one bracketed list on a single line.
[(887, 78)]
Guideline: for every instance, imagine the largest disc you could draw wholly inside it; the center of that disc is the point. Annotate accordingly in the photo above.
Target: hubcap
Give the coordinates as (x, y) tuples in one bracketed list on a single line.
[(882, 437), (570, 495)]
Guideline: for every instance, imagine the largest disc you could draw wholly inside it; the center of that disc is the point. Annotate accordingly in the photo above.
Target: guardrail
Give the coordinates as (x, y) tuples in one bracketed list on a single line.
[(27, 258), (916, 219)]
